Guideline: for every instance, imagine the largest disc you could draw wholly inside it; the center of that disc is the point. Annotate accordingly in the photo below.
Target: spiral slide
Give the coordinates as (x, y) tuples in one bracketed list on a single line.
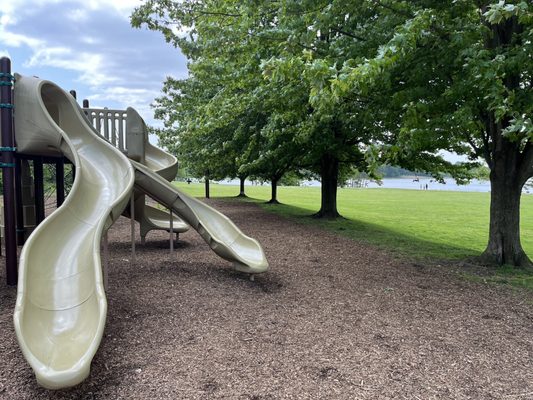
[(61, 305), (159, 161)]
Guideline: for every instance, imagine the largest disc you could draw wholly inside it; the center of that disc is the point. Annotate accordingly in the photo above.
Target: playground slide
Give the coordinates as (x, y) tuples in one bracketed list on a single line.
[(161, 162), (61, 306), (224, 238)]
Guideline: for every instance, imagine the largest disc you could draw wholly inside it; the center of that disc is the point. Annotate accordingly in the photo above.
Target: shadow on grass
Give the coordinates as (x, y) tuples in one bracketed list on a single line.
[(385, 238), (400, 244)]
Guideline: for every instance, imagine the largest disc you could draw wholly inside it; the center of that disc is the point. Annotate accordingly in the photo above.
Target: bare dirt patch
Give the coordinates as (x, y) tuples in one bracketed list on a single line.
[(332, 319)]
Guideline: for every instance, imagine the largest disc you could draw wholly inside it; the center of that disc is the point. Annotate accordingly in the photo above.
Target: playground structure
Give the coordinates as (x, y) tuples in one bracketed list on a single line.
[(61, 304), (115, 126)]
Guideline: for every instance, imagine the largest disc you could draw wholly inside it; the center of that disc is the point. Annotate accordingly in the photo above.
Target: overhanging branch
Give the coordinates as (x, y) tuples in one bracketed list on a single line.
[(352, 35)]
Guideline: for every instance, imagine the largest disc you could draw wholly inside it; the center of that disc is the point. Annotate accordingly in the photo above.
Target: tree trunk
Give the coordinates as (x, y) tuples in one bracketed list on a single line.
[(329, 173), (241, 191), (206, 187), (274, 191), (504, 245), (510, 168)]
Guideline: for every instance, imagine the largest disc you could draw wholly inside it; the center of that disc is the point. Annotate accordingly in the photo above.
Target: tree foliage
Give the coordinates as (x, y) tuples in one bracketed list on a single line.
[(327, 86)]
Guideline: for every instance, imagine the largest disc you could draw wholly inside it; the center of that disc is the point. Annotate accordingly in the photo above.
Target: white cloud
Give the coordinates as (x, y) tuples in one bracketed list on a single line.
[(123, 7), (94, 42), (78, 15), (135, 98), (24, 7), (91, 66), (16, 39), (90, 40)]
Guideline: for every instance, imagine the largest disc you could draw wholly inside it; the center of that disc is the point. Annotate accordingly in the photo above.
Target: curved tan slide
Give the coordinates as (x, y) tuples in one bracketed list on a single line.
[(161, 162), (61, 305), (222, 235)]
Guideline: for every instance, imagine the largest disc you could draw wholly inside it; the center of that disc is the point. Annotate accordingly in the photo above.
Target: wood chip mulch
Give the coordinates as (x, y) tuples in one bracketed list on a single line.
[(332, 319)]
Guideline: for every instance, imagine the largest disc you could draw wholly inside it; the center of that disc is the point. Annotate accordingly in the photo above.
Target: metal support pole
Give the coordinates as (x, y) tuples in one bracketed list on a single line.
[(132, 219), (19, 206), (60, 182), (106, 261), (38, 176), (8, 172), (85, 104), (171, 230)]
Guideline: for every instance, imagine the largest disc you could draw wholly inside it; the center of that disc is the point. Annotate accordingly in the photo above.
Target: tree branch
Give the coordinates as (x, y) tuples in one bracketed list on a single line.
[(527, 162), (477, 151), (488, 150), (353, 36), (215, 13)]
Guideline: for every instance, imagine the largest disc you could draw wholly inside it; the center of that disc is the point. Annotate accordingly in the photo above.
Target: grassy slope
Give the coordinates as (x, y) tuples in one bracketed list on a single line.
[(418, 224)]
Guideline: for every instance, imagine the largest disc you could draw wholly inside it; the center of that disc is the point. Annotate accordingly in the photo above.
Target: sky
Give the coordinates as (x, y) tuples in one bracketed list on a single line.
[(89, 46)]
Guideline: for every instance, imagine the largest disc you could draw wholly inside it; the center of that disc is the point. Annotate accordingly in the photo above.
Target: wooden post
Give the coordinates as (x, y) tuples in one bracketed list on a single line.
[(8, 170)]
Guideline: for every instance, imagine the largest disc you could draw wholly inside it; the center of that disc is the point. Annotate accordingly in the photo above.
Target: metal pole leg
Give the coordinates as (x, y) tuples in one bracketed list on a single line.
[(171, 230), (8, 170), (106, 261), (132, 219)]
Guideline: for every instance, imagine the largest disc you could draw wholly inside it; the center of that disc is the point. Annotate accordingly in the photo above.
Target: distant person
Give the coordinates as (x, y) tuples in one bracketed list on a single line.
[(189, 181)]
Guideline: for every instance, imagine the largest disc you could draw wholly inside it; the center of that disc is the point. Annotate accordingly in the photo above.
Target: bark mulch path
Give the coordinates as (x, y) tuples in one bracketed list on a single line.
[(332, 319)]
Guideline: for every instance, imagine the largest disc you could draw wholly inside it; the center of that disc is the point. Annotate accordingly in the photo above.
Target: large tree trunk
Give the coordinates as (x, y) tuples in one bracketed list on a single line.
[(241, 191), (274, 191), (329, 173), (510, 167), (506, 180)]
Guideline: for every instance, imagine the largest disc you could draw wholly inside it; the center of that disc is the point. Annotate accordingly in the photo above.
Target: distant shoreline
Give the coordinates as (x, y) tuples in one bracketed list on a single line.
[(406, 183)]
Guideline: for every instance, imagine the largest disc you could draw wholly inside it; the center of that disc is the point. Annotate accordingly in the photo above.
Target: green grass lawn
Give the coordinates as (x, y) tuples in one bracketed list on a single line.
[(438, 225)]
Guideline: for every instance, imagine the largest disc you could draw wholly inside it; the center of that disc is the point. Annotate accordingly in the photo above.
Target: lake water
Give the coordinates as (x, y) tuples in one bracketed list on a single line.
[(411, 184), (402, 183), (407, 183)]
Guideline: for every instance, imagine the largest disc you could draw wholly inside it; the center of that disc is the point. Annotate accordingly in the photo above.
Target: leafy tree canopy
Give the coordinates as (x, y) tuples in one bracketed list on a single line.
[(281, 85)]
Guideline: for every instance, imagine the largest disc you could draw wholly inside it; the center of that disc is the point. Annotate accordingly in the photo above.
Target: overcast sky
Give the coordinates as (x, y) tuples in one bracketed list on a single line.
[(89, 46)]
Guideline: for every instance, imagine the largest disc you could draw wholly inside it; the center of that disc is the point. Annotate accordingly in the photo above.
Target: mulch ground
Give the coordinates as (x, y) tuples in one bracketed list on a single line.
[(332, 319)]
